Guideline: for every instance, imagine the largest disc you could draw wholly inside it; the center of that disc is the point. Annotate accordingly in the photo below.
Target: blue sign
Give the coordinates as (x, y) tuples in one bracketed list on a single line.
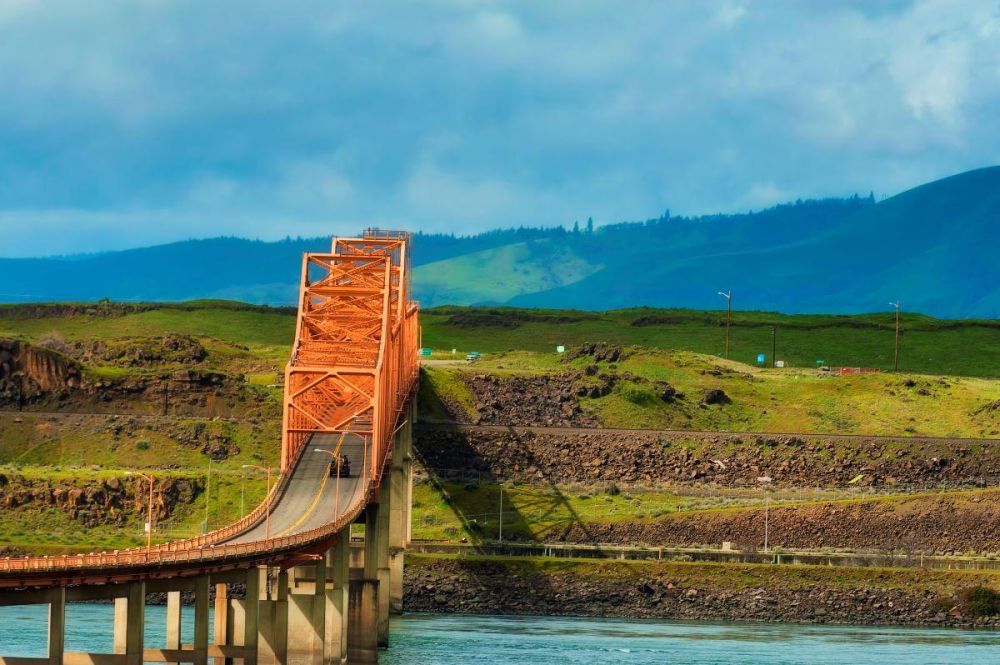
[(760, 357)]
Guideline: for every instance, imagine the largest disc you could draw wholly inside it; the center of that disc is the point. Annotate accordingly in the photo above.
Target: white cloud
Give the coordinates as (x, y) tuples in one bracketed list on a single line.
[(130, 123)]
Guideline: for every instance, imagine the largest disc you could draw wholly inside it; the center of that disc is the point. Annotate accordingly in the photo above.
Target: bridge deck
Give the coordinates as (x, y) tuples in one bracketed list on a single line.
[(310, 498)]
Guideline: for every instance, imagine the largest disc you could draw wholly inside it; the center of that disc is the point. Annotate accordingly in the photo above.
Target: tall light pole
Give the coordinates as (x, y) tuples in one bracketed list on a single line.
[(149, 507), (208, 492), (728, 295), (765, 481), (895, 352), (267, 515)]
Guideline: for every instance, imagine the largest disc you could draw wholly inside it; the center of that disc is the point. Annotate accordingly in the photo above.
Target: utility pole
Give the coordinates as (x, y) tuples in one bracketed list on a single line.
[(500, 536), (895, 353), (208, 492), (728, 295), (774, 345), (765, 482)]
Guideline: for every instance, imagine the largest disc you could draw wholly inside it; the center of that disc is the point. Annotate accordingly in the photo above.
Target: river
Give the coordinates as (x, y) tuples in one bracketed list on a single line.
[(459, 640)]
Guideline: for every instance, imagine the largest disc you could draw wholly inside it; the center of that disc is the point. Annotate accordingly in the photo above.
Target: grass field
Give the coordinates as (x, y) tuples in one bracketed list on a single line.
[(762, 399), (933, 346), (452, 511)]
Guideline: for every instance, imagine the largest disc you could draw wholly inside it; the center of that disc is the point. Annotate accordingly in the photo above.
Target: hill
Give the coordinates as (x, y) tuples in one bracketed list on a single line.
[(931, 247)]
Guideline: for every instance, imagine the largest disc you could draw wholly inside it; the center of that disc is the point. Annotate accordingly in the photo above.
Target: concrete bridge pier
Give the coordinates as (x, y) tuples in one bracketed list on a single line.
[(400, 493)]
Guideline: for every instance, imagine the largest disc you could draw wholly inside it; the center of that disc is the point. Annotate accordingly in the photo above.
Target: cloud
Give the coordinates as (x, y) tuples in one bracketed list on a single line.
[(129, 123)]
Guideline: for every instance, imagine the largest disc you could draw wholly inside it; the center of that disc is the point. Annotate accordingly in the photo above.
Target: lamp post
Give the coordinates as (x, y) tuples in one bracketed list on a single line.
[(208, 492), (895, 352), (267, 515), (765, 482), (149, 507), (336, 499), (728, 295)]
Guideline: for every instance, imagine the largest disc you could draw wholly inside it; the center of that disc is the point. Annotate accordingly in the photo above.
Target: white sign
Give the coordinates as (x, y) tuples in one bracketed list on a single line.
[(145, 527), (560, 349), (779, 363)]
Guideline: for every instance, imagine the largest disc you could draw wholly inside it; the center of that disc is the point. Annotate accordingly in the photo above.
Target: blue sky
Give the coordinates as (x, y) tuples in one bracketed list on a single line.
[(129, 123)]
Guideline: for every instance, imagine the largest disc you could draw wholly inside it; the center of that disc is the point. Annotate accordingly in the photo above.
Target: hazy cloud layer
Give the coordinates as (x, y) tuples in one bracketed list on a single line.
[(125, 123)]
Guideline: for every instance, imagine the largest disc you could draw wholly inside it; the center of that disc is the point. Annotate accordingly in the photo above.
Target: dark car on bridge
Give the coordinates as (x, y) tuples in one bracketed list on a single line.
[(343, 464)]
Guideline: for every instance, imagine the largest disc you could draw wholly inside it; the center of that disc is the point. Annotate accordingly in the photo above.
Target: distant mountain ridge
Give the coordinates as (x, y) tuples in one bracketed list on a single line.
[(933, 247)]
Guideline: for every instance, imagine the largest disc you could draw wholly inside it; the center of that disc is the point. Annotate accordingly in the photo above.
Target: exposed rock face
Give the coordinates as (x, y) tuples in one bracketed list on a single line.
[(27, 371), (41, 378), (669, 591), (715, 396), (142, 352), (624, 456), (929, 525), (599, 351), (549, 399), (98, 502)]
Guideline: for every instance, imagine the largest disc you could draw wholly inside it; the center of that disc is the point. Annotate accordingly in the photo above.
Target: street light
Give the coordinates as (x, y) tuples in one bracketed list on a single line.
[(267, 514), (895, 353), (149, 507), (765, 481), (336, 457), (728, 295), (208, 492)]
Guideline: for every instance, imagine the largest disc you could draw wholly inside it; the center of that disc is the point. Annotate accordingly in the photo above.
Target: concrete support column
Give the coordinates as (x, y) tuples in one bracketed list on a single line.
[(135, 623), (377, 558), (121, 626), (221, 626), (251, 614), (339, 561), (173, 620), (306, 615), (201, 586), (272, 635), (362, 620), (57, 625), (319, 612), (408, 517), (397, 490)]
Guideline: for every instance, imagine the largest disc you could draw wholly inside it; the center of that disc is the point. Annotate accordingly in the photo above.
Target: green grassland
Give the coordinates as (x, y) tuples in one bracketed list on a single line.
[(762, 399), (933, 346), (51, 530), (450, 511), (78, 449), (928, 345), (676, 346)]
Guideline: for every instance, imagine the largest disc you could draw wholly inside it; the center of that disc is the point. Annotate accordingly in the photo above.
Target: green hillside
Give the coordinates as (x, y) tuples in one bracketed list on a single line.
[(932, 247)]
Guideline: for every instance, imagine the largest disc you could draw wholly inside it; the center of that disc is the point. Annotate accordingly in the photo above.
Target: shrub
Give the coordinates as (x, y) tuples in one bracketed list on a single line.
[(981, 601), (142, 445), (613, 490)]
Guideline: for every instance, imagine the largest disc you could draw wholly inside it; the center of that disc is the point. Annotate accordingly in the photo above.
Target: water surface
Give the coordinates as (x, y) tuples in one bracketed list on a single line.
[(429, 639), (451, 640)]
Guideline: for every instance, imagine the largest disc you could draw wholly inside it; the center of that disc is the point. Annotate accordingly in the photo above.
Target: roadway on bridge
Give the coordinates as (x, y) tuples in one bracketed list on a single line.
[(310, 499)]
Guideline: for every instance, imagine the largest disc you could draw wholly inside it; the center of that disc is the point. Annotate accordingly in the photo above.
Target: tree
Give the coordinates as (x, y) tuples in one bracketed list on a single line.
[(590, 225), (576, 228)]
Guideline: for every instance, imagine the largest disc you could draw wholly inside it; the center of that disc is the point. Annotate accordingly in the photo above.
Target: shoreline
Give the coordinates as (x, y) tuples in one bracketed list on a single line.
[(752, 593)]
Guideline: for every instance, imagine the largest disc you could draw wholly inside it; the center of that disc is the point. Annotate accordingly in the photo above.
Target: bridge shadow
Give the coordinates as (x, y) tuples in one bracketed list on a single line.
[(535, 508)]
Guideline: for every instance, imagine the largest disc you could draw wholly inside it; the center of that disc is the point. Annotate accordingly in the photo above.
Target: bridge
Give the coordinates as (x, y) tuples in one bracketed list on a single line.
[(283, 585)]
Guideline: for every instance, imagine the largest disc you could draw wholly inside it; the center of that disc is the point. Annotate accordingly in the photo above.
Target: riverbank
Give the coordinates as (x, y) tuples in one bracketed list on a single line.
[(699, 591)]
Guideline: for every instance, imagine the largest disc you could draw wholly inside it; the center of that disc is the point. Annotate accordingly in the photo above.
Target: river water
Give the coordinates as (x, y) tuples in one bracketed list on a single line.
[(461, 640)]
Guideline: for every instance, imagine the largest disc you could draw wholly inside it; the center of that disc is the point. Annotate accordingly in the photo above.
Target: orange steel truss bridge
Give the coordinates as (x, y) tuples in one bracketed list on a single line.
[(349, 391)]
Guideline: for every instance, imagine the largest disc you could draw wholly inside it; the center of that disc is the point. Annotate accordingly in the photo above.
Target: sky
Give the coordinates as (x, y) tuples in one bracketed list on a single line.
[(127, 123)]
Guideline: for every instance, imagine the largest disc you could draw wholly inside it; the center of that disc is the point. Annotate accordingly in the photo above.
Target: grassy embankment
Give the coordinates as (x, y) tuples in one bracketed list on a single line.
[(762, 399), (254, 342)]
